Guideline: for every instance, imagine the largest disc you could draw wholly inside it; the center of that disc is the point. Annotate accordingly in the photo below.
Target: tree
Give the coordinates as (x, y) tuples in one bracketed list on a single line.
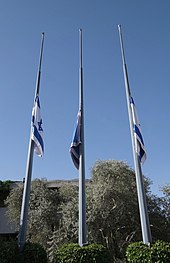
[(112, 210), (5, 187), (13, 203), (113, 217), (113, 214), (44, 210), (67, 230), (160, 215), (166, 201)]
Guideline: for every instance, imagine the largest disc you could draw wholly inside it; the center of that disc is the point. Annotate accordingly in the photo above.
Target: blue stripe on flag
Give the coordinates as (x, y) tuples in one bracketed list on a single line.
[(38, 137), (136, 129), (76, 142), (142, 154), (38, 101), (139, 143), (75, 156), (37, 131)]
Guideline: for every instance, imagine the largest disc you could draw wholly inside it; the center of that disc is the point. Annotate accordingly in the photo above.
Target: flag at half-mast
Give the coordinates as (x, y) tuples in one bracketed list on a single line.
[(37, 130), (76, 142), (139, 143)]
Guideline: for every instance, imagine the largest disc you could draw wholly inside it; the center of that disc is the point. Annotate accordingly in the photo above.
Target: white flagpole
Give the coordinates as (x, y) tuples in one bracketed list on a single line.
[(27, 184), (82, 195), (144, 218)]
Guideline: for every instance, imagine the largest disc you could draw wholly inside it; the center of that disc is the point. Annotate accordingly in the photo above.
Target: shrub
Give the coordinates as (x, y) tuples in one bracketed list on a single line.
[(160, 252), (95, 253), (9, 252), (34, 253), (68, 253), (73, 253), (138, 252)]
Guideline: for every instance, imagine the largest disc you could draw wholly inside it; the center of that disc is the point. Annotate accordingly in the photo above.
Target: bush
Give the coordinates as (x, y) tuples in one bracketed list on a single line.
[(138, 252), (9, 252), (34, 253), (73, 253), (160, 252)]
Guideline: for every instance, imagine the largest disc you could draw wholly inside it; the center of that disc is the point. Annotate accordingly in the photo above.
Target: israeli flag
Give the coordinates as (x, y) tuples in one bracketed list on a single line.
[(37, 131), (76, 142), (139, 143)]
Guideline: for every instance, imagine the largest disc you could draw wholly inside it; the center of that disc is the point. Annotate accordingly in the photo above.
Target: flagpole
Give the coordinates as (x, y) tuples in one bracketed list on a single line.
[(28, 174), (144, 218), (82, 195)]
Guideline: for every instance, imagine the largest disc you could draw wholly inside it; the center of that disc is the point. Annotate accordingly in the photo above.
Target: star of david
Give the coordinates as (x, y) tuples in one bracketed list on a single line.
[(39, 125)]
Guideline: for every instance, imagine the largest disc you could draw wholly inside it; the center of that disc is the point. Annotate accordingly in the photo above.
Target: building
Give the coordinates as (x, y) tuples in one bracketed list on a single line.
[(7, 229)]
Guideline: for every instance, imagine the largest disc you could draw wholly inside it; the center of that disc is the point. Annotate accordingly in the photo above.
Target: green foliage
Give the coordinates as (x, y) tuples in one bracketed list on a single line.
[(67, 253), (73, 253), (69, 207), (34, 253), (96, 253), (112, 210), (138, 252), (44, 212), (43, 215), (9, 252), (13, 203), (166, 201), (160, 252), (68, 227), (5, 187)]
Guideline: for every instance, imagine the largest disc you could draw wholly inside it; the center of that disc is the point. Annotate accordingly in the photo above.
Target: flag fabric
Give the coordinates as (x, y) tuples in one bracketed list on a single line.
[(37, 131), (76, 142), (139, 143)]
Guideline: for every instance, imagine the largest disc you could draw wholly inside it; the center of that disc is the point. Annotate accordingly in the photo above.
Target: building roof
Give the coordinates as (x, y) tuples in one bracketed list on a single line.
[(5, 226), (59, 183)]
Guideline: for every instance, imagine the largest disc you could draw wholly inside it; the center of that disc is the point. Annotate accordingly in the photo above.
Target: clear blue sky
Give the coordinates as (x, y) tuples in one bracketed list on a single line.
[(146, 35)]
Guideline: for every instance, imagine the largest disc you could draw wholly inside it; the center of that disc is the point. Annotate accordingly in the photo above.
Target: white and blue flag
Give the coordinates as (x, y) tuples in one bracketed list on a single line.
[(139, 143), (76, 142), (37, 130)]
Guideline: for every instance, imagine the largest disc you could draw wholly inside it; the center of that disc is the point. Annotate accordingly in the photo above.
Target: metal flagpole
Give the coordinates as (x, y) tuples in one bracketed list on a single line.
[(82, 195), (27, 184), (144, 218)]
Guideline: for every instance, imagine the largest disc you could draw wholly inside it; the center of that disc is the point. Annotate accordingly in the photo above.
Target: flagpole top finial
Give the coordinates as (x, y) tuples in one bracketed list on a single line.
[(119, 26), (42, 33), (80, 29)]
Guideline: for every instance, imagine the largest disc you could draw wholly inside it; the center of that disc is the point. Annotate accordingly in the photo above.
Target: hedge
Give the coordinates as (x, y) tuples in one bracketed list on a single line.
[(9, 252), (138, 252), (32, 253), (160, 252), (73, 253)]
